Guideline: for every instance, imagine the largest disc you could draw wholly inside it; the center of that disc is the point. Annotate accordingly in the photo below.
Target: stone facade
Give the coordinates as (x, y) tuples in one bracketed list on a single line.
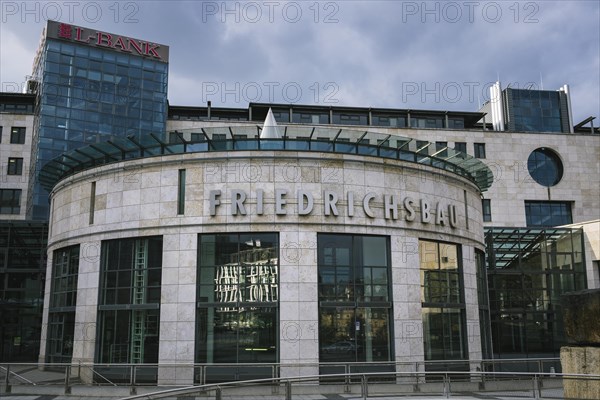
[(506, 155), (10, 150), (582, 355), (139, 198)]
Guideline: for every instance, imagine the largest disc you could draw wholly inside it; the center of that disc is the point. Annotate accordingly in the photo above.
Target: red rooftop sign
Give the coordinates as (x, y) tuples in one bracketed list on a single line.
[(121, 44)]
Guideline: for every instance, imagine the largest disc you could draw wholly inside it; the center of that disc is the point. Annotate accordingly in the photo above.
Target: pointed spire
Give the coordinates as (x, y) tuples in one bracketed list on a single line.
[(270, 130)]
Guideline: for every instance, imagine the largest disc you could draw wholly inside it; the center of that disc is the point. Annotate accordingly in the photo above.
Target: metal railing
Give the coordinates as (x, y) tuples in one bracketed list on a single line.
[(526, 378), (147, 374), (434, 384)]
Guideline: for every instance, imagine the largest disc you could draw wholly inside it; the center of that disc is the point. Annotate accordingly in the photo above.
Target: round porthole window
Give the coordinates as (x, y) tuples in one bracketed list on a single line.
[(545, 167)]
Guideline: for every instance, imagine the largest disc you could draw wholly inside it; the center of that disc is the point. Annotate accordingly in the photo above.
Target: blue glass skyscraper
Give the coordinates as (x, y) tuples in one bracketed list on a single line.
[(92, 86)]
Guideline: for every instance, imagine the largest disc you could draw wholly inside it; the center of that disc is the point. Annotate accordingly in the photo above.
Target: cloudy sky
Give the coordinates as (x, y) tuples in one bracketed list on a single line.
[(439, 55)]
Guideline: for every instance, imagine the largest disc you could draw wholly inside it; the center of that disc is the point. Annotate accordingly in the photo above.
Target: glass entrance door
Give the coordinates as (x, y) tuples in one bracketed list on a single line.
[(354, 298), (354, 334)]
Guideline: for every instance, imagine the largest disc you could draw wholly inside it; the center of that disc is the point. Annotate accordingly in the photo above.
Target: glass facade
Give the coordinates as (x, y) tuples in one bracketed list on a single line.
[(22, 273), (427, 122), (528, 270), (393, 120), (129, 307), (442, 299), (63, 300), (350, 118), (310, 117), (548, 213), (237, 315), (355, 301), (534, 110), (89, 95)]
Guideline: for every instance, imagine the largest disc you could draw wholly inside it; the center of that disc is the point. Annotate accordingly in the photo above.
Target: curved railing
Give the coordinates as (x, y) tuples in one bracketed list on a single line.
[(473, 385), (57, 379), (247, 138)]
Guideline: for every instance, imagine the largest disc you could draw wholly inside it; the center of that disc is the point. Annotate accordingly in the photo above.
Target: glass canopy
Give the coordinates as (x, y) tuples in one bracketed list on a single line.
[(247, 138)]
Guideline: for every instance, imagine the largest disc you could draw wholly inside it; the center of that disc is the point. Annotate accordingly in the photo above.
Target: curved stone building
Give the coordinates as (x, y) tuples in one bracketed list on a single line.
[(217, 247)]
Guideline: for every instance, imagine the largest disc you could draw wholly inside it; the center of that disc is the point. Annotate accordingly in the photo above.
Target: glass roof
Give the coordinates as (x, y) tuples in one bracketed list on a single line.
[(247, 137), (506, 246)]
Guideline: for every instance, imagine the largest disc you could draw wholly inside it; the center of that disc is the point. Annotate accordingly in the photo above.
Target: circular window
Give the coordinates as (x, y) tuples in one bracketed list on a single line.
[(545, 167)]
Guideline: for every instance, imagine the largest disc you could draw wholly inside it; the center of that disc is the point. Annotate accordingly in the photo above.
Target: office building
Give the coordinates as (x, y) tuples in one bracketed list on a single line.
[(91, 86), (336, 234)]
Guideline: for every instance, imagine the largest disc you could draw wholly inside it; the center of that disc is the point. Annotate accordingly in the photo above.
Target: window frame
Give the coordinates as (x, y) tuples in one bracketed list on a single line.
[(8, 196), (486, 209), (479, 150), (18, 134), (347, 266), (460, 146), (14, 166), (540, 204)]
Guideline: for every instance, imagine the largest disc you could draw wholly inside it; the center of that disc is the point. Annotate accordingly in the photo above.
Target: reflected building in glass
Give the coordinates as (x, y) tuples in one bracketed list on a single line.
[(237, 316), (528, 271)]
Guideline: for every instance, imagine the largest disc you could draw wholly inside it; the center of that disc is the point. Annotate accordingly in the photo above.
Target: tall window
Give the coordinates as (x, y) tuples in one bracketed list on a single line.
[(181, 192), (484, 305), (442, 298), (129, 300), (17, 135), (487, 209), (479, 150), (355, 302), (548, 213), (63, 300), (10, 201), (238, 297)]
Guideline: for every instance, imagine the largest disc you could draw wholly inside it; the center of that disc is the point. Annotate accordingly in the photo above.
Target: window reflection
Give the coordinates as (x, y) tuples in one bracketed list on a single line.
[(528, 271), (63, 300), (238, 294), (354, 298), (548, 213), (444, 336), (130, 300)]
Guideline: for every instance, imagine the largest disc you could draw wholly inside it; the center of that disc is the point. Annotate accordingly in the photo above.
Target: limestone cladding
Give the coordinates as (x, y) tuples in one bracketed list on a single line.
[(506, 155), (14, 150), (140, 198)]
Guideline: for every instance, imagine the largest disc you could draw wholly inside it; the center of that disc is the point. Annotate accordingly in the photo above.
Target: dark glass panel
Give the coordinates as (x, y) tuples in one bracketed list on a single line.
[(353, 275), (237, 293), (131, 277)]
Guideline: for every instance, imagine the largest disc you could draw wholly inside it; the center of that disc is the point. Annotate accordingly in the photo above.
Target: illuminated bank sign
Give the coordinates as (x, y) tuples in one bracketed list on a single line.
[(394, 206), (95, 38)]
